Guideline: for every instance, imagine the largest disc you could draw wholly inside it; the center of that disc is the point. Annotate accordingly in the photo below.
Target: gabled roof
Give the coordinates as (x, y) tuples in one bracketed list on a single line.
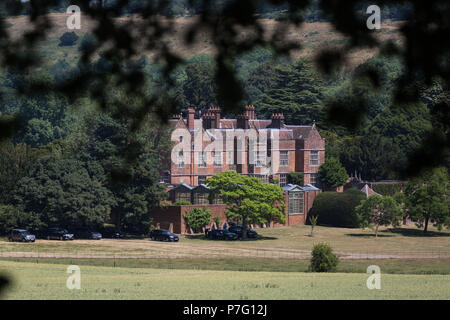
[(369, 191), (202, 188), (310, 187), (292, 187), (183, 186)]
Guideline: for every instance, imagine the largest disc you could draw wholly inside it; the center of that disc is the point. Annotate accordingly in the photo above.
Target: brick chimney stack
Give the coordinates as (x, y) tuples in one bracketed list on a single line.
[(277, 120), (250, 112), (208, 119), (211, 118), (190, 118), (242, 121), (216, 113)]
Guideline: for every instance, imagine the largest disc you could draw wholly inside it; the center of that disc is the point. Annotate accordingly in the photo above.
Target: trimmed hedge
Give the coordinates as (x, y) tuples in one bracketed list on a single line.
[(337, 209), (387, 189)]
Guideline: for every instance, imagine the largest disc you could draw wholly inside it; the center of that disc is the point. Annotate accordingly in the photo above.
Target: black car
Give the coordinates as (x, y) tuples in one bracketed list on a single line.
[(87, 234), (252, 234), (163, 235), (111, 233), (221, 234), (21, 235), (57, 234)]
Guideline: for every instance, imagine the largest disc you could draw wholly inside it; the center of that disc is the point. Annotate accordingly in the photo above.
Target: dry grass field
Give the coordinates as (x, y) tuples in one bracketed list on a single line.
[(293, 242), (312, 37)]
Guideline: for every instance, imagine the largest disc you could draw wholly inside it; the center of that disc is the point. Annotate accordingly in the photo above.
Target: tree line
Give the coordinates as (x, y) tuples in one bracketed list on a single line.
[(84, 149)]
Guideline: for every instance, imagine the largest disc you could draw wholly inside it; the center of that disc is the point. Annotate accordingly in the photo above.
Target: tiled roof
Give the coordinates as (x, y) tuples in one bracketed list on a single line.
[(310, 187), (290, 187), (300, 131), (368, 191), (287, 132)]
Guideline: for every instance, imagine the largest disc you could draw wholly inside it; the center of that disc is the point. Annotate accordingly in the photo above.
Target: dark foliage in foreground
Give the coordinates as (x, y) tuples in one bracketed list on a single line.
[(425, 55)]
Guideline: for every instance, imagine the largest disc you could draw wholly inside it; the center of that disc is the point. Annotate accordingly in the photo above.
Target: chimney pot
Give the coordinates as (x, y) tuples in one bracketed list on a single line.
[(190, 118)]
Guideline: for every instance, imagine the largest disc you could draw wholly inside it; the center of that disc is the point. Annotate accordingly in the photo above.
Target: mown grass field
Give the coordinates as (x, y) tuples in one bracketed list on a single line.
[(48, 281), (388, 266)]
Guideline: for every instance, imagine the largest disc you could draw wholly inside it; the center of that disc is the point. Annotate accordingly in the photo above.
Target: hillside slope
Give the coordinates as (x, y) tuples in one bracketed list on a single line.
[(312, 36)]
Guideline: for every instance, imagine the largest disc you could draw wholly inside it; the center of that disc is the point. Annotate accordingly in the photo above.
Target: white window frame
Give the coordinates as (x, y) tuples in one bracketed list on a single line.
[(283, 179), (259, 158), (296, 202), (284, 158), (314, 157)]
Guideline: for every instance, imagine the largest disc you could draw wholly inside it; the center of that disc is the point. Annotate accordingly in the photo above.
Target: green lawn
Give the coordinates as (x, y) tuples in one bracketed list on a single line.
[(48, 281), (390, 266)]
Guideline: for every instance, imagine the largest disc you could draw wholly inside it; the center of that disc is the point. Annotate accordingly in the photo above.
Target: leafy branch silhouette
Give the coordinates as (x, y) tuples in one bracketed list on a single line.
[(424, 54)]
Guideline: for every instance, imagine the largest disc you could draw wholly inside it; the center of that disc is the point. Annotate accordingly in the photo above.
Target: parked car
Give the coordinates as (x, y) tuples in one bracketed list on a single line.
[(111, 233), (21, 235), (252, 234), (57, 234), (221, 234), (87, 234), (163, 235)]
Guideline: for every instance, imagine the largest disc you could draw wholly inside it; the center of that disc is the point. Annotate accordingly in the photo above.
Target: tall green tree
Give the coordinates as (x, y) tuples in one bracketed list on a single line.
[(63, 192), (13, 217), (198, 90), (15, 162), (427, 198), (332, 174), (249, 199), (294, 89), (385, 143), (133, 179), (379, 211)]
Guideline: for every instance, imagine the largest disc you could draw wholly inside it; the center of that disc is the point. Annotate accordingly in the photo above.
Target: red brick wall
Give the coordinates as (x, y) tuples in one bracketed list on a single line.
[(308, 200), (164, 216), (298, 160), (217, 210), (175, 214), (314, 142)]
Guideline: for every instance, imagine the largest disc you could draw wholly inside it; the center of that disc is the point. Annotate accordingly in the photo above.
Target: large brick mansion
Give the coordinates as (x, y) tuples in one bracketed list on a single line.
[(278, 149)]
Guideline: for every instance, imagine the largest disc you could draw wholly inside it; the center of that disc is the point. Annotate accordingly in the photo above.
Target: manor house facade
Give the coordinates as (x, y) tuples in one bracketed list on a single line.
[(206, 144)]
